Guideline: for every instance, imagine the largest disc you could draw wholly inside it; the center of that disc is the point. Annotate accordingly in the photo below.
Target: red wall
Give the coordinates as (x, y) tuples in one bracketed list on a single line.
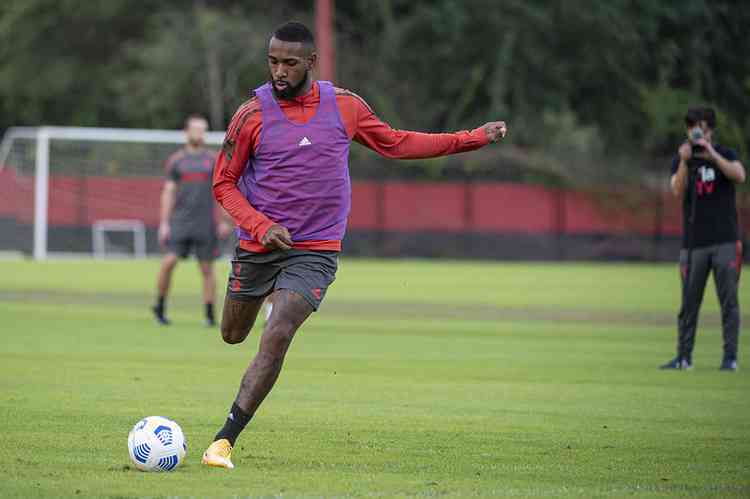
[(514, 208), (392, 206)]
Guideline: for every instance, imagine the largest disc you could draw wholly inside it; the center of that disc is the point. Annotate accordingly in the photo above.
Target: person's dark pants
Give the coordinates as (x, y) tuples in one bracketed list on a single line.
[(725, 260)]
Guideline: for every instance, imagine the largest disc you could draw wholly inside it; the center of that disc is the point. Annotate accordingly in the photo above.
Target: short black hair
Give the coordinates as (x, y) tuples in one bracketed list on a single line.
[(703, 113), (293, 31)]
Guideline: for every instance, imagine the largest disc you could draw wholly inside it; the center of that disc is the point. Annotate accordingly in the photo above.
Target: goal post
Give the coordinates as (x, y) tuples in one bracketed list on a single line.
[(99, 231), (66, 178), (41, 194)]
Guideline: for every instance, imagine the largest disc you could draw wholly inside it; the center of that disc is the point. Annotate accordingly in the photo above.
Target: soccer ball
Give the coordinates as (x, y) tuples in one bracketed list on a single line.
[(156, 444)]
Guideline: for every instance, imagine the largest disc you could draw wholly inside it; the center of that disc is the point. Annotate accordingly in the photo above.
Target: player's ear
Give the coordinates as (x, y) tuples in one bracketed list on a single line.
[(312, 59)]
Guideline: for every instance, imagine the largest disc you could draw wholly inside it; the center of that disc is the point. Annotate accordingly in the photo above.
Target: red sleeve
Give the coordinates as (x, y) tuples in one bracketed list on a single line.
[(230, 164), (377, 135)]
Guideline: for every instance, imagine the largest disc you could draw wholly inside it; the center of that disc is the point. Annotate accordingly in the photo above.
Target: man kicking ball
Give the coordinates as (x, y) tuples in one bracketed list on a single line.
[(283, 176)]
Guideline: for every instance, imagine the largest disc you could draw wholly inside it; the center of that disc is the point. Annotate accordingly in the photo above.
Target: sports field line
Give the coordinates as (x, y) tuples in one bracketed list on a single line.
[(385, 309)]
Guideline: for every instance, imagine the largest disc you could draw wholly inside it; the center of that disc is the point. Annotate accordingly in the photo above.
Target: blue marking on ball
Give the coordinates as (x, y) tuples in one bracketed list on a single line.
[(164, 434), (141, 452), (167, 463)]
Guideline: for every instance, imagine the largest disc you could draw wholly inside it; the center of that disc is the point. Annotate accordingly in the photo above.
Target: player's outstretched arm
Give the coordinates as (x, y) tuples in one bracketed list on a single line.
[(377, 135)]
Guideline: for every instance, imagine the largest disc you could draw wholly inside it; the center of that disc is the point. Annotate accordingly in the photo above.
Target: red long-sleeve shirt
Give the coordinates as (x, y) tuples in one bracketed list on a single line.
[(361, 125)]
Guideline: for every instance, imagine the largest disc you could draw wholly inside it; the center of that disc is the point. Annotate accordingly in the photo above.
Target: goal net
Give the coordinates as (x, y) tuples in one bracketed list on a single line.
[(83, 191)]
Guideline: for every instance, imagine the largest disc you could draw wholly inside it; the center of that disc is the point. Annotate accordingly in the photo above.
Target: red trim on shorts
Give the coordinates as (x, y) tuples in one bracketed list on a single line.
[(256, 247)]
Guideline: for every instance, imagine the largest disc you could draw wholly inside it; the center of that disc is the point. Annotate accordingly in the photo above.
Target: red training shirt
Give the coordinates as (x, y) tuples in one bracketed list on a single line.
[(361, 125)]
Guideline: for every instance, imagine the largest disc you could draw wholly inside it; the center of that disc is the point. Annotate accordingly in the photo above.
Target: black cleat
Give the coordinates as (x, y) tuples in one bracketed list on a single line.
[(677, 363), (160, 318), (210, 322), (728, 365)]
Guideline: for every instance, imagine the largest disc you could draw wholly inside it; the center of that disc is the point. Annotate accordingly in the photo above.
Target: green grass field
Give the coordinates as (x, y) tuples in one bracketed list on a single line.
[(415, 379)]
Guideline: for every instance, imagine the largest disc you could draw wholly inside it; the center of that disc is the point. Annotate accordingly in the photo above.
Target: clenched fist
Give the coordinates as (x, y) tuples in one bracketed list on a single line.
[(495, 130), (277, 237)]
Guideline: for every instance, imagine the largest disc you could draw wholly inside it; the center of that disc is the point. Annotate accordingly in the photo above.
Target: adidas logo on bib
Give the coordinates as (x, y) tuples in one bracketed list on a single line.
[(305, 142)]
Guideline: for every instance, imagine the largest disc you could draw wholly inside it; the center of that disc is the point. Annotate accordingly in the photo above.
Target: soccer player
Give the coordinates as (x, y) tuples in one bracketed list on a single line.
[(283, 177), (188, 217), (704, 174)]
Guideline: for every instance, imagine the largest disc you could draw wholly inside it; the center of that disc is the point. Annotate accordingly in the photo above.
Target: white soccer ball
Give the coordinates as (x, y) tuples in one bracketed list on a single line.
[(156, 444)]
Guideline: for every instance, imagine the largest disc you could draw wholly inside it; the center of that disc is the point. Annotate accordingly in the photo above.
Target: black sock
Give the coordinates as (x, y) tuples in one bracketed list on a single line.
[(234, 425), (210, 311), (160, 304)]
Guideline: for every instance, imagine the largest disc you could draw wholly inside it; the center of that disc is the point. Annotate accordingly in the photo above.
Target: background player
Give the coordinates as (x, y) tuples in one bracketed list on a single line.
[(703, 176), (283, 177), (188, 217)]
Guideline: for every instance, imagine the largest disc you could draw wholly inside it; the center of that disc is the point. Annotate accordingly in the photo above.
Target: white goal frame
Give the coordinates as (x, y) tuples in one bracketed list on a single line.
[(43, 135), (100, 227)]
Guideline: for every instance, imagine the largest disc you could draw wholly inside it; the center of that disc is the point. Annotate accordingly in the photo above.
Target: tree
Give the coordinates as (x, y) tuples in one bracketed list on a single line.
[(578, 80)]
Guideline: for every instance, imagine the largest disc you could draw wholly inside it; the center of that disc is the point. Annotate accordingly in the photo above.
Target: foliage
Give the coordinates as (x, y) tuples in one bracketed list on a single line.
[(579, 82)]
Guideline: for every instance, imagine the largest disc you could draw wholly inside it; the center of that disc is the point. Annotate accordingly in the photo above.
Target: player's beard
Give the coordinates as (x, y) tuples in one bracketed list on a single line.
[(290, 92)]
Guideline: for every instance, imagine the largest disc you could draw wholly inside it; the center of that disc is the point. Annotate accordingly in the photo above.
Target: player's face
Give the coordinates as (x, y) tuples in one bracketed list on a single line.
[(195, 131), (290, 64)]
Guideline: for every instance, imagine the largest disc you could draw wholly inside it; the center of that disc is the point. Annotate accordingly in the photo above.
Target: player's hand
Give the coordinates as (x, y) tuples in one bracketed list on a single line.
[(164, 232), (685, 151), (495, 130), (277, 237), (223, 229)]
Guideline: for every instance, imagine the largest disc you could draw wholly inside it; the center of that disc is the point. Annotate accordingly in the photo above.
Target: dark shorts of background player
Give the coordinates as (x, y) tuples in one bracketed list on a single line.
[(308, 273), (206, 248)]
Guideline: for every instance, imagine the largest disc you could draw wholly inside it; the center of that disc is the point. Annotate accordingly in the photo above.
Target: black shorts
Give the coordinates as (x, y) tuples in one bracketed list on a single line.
[(308, 273), (205, 247)]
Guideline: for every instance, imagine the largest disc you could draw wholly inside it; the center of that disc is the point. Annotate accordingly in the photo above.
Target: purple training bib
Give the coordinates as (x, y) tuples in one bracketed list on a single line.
[(299, 175)]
